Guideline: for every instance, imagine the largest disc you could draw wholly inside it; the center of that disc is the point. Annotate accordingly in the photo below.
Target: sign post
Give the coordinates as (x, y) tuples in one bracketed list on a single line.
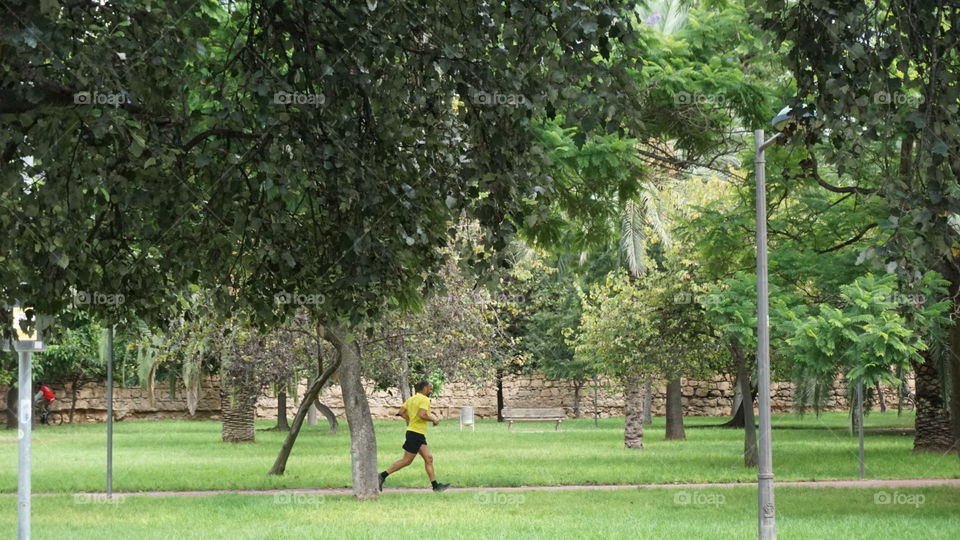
[(25, 341), (109, 332)]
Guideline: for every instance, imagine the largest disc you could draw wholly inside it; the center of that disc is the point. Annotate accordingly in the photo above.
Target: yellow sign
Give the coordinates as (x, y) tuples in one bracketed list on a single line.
[(20, 314)]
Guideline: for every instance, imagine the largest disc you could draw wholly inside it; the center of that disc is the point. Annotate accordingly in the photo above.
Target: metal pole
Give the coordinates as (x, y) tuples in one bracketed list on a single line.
[(25, 398), (766, 508), (110, 412), (860, 422)]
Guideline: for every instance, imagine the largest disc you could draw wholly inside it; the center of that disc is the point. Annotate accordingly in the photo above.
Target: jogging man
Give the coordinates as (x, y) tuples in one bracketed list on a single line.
[(416, 411)]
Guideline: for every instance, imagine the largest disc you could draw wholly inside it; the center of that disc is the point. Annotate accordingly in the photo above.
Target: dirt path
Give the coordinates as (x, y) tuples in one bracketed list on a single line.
[(873, 483)]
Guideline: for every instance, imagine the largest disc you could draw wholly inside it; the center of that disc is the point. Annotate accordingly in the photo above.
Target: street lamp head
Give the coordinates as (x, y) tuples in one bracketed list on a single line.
[(787, 117)]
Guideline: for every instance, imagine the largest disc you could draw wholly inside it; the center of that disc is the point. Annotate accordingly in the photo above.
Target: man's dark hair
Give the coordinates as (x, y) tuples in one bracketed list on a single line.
[(421, 385)]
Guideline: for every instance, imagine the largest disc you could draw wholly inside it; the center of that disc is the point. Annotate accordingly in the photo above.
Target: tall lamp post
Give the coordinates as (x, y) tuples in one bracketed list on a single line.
[(766, 508)]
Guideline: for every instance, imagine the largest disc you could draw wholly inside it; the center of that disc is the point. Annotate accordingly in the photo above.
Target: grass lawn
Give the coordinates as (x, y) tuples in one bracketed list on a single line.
[(803, 513), (172, 455)]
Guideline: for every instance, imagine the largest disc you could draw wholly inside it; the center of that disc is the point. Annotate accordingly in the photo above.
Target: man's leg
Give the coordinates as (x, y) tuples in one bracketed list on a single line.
[(428, 462), (402, 462), (38, 408)]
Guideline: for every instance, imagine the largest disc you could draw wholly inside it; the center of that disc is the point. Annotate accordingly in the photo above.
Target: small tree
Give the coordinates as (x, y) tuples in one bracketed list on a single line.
[(866, 338), (614, 329), (731, 310), (454, 333)]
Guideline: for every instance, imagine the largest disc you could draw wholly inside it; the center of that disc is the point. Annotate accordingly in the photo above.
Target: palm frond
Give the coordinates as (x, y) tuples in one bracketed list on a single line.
[(633, 237), (667, 16), (654, 217)]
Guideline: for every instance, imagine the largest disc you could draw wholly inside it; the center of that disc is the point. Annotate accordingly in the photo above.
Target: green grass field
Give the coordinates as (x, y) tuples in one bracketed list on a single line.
[(172, 455), (182, 455), (803, 513)]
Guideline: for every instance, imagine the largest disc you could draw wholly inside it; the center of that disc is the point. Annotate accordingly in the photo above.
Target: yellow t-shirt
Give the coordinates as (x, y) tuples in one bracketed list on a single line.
[(413, 405)]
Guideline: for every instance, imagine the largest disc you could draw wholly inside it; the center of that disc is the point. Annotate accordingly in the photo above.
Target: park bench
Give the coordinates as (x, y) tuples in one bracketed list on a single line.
[(554, 414)]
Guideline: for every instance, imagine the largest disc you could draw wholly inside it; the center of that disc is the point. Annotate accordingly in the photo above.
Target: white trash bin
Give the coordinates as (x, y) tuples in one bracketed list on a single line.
[(466, 417)]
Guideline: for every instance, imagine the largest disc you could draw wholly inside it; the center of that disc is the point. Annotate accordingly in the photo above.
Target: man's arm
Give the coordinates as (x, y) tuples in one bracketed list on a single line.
[(423, 414), (402, 413)]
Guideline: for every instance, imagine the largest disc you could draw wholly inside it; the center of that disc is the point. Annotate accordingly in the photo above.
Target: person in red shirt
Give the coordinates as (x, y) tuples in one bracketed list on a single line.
[(45, 397)]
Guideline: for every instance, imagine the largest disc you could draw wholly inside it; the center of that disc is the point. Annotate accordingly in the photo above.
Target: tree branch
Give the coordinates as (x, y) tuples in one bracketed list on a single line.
[(850, 241), (200, 137), (810, 166)]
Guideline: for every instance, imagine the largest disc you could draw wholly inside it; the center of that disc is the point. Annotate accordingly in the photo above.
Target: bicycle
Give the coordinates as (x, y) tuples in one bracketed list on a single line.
[(44, 415), (908, 401), (51, 417)]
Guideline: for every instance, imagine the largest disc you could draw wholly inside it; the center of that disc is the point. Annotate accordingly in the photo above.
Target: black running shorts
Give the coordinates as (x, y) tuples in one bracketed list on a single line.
[(414, 441)]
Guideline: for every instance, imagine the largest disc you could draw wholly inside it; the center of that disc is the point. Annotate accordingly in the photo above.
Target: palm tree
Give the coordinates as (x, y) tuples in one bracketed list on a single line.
[(637, 217)]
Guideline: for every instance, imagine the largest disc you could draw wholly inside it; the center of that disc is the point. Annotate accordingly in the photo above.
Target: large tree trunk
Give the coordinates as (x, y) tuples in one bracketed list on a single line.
[(737, 399), (282, 424), (955, 384), (953, 275), (880, 398), (363, 440), (404, 382), (280, 464), (674, 413), (239, 414), (852, 406), (855, 414), (854, 417), (933, 429), (633, 412), (737, 421), (736, 410), (750, 428), (282, 421), (647, 402), (12, 420)]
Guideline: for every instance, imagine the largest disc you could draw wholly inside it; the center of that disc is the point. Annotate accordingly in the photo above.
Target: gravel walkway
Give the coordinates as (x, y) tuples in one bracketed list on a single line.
[(872, 483)]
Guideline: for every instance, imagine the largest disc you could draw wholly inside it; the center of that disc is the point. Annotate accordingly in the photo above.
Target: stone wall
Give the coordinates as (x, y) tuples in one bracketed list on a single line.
[(133, 402), (713, 397)]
